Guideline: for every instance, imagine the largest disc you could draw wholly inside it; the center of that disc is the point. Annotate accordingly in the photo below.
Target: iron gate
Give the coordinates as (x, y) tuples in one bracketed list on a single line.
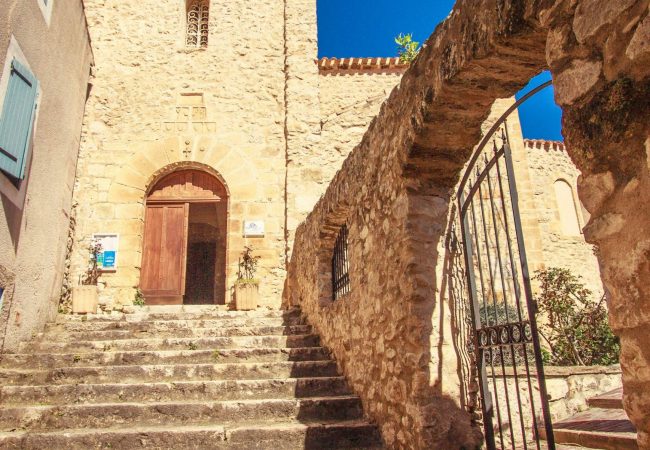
[(504, 334)]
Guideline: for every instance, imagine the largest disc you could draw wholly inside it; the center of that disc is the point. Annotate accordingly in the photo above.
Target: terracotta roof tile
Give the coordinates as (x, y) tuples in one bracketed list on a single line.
[(544, 144), (335, 66)]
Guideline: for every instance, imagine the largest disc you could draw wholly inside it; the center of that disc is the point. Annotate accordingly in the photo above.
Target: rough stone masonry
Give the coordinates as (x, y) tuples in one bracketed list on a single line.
[(391, 334)]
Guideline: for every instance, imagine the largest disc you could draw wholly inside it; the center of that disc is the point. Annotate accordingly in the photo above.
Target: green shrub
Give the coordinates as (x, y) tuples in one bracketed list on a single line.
[(572, 325)]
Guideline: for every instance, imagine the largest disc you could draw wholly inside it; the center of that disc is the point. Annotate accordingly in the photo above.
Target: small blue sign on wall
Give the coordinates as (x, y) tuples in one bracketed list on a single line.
[(107, 259)]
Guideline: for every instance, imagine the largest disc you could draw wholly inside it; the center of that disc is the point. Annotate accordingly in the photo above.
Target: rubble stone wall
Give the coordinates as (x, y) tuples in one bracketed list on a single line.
[(391, 333)]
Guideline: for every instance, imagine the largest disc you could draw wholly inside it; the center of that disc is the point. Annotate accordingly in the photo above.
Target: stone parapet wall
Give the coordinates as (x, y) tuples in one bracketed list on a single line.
[(570, 387), (568, 390)]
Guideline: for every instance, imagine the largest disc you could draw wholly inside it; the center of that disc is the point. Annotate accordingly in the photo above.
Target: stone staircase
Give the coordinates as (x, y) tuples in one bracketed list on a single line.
[(603, 426), (179, 378)]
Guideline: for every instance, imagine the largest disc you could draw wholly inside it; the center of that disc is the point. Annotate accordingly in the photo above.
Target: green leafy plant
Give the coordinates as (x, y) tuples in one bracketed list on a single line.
[(192, 346), (407, 48), (138, 300), (573, 325), (247, 266)]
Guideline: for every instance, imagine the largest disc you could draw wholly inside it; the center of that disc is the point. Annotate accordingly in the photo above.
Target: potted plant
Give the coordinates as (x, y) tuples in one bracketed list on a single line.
[(85, 297), (247, 286)]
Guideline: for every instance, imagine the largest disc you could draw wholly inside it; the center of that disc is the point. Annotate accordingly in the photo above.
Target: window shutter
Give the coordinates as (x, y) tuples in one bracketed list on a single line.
[(17, 119)]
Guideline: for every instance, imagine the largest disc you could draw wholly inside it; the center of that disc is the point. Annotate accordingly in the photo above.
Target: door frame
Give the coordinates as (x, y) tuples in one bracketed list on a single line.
[(224, 198)]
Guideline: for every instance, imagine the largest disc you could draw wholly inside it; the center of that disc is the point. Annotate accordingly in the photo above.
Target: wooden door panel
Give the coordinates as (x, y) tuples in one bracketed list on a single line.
[(164, 250)]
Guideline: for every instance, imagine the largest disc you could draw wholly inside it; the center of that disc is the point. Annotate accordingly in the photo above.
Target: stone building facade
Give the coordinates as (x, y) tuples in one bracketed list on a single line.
[(222, 106), (45, 51)]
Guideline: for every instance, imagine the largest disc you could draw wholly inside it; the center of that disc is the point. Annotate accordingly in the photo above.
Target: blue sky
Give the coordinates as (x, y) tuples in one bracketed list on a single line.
[(366, 28)]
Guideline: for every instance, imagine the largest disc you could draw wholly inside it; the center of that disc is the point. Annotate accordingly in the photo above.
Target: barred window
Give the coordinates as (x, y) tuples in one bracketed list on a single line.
[(340, 265), (197, 23)]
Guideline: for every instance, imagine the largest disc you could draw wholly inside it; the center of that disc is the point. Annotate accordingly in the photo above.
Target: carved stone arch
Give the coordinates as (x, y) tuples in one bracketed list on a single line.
[(169, 169), (152, 160)]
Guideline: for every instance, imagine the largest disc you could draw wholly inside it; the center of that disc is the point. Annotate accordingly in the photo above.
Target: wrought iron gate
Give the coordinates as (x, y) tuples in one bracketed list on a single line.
[(505, 338)]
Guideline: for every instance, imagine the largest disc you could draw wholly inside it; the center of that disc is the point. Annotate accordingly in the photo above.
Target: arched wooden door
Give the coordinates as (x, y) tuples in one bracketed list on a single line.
[(184, 227)]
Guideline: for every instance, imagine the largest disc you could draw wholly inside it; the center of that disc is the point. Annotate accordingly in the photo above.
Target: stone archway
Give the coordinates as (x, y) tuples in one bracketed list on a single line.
[(185, 239), (398, 185)]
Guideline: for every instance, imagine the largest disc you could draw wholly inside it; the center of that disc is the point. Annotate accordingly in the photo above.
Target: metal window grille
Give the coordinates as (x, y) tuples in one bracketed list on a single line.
[(197, 24), (340, 265)]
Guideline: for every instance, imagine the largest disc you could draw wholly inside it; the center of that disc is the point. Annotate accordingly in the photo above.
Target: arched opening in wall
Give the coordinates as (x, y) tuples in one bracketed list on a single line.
[(184, 250), (566, 207), (197, 23)]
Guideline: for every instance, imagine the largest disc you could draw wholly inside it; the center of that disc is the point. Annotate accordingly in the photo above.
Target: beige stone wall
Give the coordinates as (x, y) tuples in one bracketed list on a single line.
[(302, 120), (549, 162), (133, 130), (33, 235), (349, 102)]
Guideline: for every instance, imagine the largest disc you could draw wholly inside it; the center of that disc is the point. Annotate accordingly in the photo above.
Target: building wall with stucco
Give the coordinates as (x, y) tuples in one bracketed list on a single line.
[(52, 42)]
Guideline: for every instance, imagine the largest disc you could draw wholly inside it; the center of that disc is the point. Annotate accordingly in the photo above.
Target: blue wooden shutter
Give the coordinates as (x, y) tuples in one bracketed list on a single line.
[(17, 120)]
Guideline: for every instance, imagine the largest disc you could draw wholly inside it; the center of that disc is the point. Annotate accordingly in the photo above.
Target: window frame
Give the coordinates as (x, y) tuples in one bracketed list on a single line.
[(340, 264), (187, 4), (16, 190)]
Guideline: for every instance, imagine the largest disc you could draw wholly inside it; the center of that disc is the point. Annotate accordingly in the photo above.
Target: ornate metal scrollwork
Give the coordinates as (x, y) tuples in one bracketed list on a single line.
[(505, 334), (197, 24)]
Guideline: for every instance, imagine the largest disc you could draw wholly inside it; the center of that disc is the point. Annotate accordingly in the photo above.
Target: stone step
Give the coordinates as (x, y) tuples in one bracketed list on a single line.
[(195, 332), (166, 325), (184, 312), (168, 372), (205, 343), (174, 391), (281, 436), (112, 415), (109, 358), (609, 400), (596, 428)]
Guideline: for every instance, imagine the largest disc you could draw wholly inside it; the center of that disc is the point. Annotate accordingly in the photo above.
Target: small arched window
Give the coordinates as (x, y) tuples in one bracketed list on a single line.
[(566, 206), (198, 12)]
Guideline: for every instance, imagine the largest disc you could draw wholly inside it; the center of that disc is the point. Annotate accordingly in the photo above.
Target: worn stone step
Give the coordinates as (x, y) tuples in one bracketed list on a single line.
[(596, 428), (178, 312), (174, 391), (168, 372), (166, 325), (608, 400), (109, 358), (111, 415), (195, 332), (54, 346), (281, 436)]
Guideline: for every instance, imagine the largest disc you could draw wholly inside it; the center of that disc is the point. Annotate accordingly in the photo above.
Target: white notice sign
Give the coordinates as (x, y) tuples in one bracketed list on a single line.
[(253, 228)]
